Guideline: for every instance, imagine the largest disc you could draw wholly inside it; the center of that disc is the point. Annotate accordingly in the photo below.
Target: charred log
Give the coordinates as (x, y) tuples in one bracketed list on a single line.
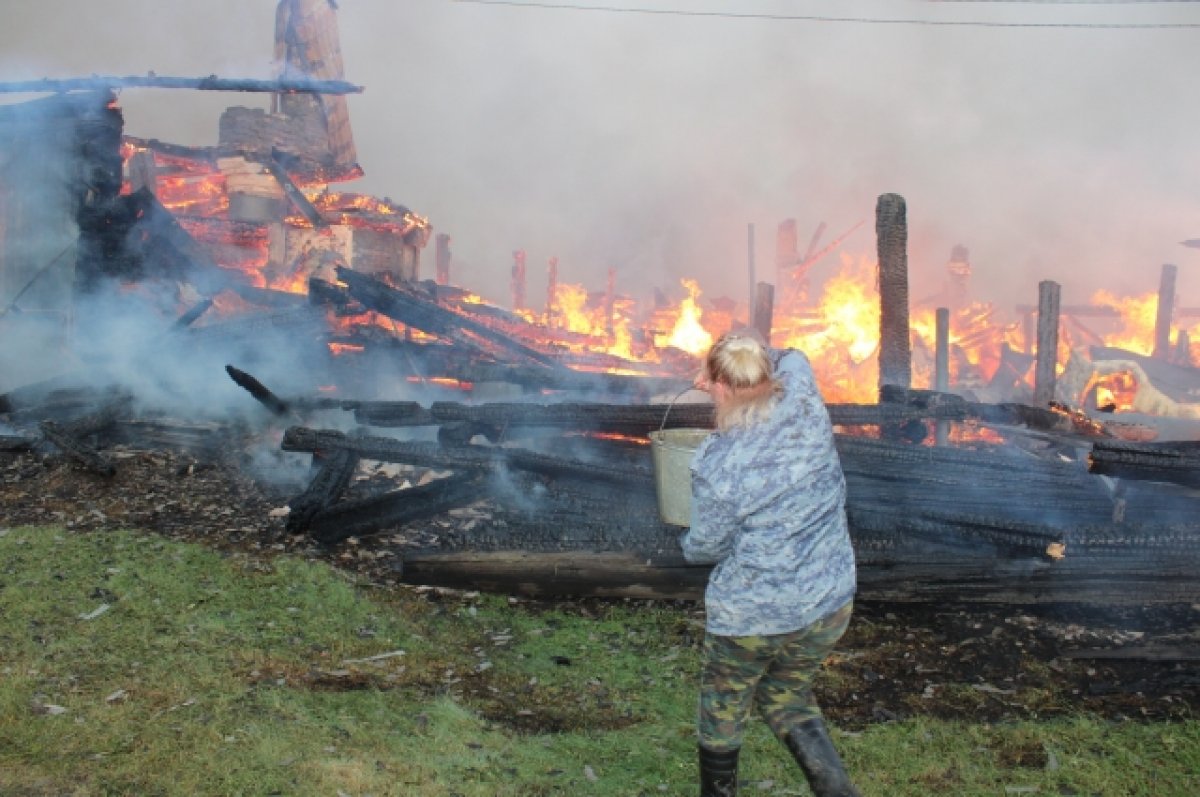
[(258, 390), (193, 314), (76, 449), (336, 467), (1175, 462), (416, 311), (293, 193), (209, 83), (581, 573), (471, 457), (368, 516)]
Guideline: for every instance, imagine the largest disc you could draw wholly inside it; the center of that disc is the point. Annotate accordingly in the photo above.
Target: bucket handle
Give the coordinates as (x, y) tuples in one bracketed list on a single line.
[(663, 425)]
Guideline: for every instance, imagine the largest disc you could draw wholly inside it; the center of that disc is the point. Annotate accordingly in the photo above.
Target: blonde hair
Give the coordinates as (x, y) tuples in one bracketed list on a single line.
[(742, 364)]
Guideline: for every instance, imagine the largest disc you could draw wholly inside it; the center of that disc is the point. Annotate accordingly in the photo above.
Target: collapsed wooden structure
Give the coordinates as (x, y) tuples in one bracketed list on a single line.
[(553, 493)]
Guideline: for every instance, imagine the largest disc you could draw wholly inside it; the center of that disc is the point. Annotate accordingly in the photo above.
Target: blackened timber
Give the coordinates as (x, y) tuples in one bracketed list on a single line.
[(616, 418), (1176, 463), (208, 83), (534, 377), (76, 449), (471, 457), (377, 514), (337, 466), (580, 573), (637, 419), (261, 393), (293, 193), (10, 442), (266, 297), (392, 413), (193, 313), (424, 314)]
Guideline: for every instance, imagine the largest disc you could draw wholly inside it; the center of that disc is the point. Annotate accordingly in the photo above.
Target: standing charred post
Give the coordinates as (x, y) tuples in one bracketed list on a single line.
[(1166, 312), (1049, 299), (443, 259), (941, 366), (518, 280), (891, 230), (762, 315)]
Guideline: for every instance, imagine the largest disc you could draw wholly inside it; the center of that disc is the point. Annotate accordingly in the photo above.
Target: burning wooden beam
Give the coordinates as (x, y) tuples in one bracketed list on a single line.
[(411, 309)]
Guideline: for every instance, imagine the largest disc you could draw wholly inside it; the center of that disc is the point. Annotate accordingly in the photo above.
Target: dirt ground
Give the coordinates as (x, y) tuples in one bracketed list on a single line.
[(973, 662)]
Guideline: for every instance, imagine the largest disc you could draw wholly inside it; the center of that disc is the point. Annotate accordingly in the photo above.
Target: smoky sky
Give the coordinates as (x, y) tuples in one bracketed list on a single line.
[(647, 143)]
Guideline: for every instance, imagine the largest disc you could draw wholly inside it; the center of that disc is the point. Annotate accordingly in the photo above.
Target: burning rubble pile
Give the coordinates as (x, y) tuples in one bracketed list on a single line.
[(509, 447)]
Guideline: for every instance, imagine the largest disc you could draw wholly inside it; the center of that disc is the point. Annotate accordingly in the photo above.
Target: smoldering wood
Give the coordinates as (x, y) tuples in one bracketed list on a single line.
[(261, 393), (266, 297), (12, 442), (421, 313), (1173, 462), (914, 576), (208, 83), (367, 516), (1165, 312), (470, 457), (293, 193), (1049, 301), (336, 467), (193, 314), (891, 230), (164, 248), (74, 448)]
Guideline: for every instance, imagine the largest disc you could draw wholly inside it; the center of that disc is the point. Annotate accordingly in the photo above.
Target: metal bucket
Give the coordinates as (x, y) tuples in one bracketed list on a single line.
[(671, 451)]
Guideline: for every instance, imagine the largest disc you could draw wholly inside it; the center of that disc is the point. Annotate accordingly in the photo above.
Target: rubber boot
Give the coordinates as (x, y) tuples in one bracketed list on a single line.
[(810, 745), (718, 773)]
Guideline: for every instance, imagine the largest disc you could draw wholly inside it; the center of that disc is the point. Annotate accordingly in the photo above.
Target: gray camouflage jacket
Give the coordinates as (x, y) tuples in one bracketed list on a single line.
[(768, 507)]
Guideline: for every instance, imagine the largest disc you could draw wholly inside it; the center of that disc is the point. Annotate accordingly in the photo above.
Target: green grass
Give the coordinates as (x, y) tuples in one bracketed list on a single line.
[(219, 675)]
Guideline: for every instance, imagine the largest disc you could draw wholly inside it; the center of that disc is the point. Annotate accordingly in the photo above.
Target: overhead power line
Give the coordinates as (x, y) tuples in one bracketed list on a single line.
[(533, 4)]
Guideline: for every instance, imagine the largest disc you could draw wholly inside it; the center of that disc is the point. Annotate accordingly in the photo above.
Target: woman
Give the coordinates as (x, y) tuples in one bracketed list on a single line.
[(768, 507)]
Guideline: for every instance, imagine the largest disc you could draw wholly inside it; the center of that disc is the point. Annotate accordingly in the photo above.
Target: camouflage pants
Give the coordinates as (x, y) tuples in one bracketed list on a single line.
[(772, 673)]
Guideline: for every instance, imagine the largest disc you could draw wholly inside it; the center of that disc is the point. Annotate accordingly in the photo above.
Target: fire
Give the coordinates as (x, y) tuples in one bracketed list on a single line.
[(1138, 314), (688, 334), (836, 323), (839, 335)]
